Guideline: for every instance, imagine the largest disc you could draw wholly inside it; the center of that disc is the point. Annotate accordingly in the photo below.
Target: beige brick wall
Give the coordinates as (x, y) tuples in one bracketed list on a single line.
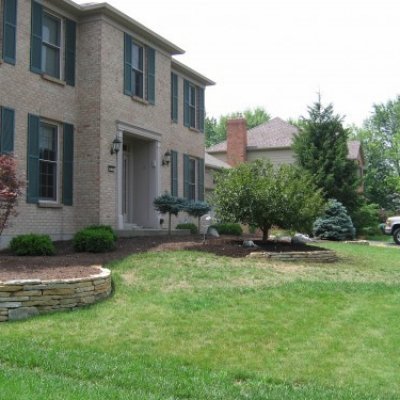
[(93, 106)]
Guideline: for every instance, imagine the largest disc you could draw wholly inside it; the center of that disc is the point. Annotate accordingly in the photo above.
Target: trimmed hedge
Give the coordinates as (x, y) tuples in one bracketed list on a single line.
[(228, 229), (95, 239), (32, 245), (188, 225)]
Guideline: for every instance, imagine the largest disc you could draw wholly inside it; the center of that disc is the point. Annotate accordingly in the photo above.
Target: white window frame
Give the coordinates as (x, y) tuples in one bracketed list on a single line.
[(61, 48), (143, 71), (58, 161)]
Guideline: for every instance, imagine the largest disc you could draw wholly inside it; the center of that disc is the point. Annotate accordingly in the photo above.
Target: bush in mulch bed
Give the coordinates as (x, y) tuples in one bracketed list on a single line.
[(32, 245), (95, 239)]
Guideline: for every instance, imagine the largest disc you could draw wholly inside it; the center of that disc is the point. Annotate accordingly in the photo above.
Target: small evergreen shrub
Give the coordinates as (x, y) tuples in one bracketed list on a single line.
[(188, 225), (228, 229), (335, 224), (32, 245), (95, 239)]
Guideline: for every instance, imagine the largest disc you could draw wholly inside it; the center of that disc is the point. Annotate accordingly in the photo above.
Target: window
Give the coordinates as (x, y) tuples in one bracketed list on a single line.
[(174, 97), (53, 44), (49, 169), (7, 118), (48, 157), (193, 178), (8, 30), (194, 106), (139, 70)]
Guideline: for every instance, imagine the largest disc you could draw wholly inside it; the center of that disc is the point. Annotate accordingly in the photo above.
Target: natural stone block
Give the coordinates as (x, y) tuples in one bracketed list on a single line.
[(10, 288), (61, 291), (3, 318), (28, 293), (84, 289), (11, 305), (22, 313)]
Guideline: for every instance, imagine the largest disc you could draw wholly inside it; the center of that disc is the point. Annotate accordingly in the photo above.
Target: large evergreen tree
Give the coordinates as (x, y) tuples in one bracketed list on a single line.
[(321, 149)]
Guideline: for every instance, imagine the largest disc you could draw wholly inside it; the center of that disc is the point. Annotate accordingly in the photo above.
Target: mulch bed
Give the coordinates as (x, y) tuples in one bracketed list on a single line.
[(67, 264)]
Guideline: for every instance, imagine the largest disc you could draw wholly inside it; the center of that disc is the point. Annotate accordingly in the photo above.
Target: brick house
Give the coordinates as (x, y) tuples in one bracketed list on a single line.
[(73, 80), (271, 140)]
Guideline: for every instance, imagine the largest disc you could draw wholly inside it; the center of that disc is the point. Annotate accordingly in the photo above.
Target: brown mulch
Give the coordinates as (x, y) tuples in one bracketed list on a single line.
[(67, 264)]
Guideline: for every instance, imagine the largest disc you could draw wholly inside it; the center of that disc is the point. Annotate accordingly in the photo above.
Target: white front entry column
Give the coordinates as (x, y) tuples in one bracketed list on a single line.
[(119, 192)]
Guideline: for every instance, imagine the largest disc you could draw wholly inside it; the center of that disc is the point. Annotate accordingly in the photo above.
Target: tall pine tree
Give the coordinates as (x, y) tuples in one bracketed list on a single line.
[(321, 149)]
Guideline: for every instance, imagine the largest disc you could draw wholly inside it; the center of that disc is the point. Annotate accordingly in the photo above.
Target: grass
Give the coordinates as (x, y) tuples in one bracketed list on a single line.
[(189, 325)]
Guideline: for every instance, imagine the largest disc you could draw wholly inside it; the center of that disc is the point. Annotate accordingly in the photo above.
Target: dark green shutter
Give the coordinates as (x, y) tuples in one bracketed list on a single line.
[(36, 37), (200, 109), (200, 179), (151, 75), (9, 31), (70, 51), (186, 176), (186, 111), (174, 173), (174, 97), (7, 118), (127, 65), (32, 191), (68, 164)]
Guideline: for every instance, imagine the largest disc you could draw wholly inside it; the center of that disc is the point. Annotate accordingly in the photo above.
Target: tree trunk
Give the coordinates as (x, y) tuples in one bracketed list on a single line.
[(169, 224), (265, 231)]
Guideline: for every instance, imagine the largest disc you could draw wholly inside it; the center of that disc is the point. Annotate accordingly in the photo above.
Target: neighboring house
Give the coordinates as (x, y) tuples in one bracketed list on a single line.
[(73, 80), (213, 165), (271, 140)]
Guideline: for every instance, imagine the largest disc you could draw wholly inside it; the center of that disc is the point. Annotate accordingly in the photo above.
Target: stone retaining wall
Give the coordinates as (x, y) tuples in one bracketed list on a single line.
[(20, 299), (324, 256)]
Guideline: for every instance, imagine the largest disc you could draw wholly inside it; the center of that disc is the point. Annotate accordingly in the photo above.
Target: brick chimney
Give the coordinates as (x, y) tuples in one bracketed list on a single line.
[(236, 141)]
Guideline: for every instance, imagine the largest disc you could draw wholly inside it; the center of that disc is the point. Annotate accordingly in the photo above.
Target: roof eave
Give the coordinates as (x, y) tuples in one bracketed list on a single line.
[(191, 73), (125, 20)]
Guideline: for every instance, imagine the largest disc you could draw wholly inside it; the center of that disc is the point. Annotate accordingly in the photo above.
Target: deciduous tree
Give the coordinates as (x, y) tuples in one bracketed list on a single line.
[(260, 195)]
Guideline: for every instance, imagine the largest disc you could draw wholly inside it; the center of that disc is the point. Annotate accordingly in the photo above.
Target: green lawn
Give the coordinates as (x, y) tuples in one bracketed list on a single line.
[(188, 325)]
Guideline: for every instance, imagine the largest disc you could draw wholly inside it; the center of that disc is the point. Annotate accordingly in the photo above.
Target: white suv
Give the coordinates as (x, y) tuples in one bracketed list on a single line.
[(392, 227)]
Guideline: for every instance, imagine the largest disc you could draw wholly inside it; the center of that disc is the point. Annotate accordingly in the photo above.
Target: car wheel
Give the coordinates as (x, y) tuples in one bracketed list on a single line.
[(396, 235)]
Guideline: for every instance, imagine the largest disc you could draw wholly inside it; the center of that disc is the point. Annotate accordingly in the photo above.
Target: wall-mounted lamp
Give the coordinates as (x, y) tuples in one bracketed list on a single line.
[(115, 146), (166, 158)]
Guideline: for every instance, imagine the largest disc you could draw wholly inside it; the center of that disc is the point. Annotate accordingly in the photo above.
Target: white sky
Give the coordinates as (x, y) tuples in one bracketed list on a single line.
[(279, 53)]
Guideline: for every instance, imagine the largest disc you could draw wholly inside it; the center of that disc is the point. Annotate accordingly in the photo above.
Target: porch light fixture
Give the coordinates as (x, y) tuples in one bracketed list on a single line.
[(166, 158), (115, 146)]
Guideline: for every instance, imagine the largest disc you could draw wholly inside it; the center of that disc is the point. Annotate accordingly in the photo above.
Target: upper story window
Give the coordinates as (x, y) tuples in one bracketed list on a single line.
[(193, 113), (139, 70), (53, 44), (8, 30)]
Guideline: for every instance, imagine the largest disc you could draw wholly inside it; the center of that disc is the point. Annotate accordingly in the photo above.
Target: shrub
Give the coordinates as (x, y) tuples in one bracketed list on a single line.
[(32, 245), (366, 219), (228, 229), (188, 225), (171, 205), (95, 239), (197, 209), (335, 224)]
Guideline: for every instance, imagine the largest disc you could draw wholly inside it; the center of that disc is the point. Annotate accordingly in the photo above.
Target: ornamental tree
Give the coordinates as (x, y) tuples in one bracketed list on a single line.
[(197, 209), (260, 195), (171, 205), (10, 189)]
